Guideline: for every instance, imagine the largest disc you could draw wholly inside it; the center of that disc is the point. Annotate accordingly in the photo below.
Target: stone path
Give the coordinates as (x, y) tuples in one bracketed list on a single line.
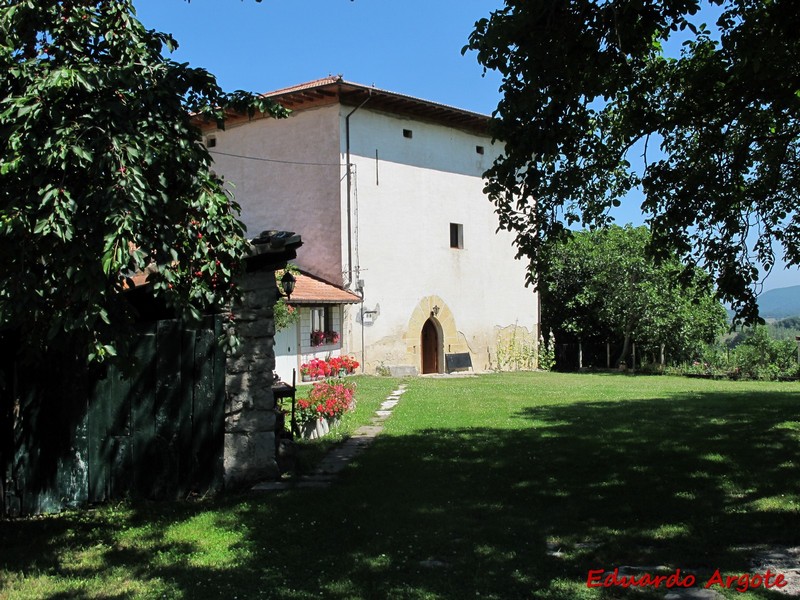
[(338, 458)]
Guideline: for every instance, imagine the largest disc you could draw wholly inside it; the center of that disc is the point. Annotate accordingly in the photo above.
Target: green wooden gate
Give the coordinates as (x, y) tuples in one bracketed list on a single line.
[(156, 432)]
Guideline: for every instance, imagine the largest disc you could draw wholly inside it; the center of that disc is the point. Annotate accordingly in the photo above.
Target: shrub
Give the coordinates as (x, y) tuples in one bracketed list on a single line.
[(761, 357), (758, 356)]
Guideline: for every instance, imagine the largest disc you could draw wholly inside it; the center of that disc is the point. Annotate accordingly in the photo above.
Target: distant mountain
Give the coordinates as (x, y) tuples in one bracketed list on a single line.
[(780, 303)]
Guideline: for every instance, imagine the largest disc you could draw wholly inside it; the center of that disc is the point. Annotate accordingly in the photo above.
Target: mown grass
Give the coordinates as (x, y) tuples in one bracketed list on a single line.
[(499, 486)]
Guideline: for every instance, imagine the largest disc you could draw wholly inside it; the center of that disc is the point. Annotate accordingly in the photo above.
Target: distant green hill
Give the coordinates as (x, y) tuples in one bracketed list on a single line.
[(780, 303)]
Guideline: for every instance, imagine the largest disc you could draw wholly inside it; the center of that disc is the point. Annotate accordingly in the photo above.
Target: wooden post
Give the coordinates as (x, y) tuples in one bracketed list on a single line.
[(633, 357), (580, 355), (663, 356)]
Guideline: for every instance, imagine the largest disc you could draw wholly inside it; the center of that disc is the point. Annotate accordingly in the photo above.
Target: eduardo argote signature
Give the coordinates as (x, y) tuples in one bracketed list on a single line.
[(741, 583)]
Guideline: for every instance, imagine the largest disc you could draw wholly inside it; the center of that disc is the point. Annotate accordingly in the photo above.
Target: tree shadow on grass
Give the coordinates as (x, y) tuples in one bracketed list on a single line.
[(690, 482)]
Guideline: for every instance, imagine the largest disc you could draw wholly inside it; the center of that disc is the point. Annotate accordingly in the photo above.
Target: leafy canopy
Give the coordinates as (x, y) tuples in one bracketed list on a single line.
[(587, 88), (103, 175), (600, 286)]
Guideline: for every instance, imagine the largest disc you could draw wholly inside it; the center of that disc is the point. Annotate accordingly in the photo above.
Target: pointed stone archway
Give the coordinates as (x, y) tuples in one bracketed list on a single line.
[(432, 313)]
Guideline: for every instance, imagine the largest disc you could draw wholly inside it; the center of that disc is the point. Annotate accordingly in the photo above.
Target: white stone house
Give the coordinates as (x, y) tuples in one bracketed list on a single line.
[(387, 192)]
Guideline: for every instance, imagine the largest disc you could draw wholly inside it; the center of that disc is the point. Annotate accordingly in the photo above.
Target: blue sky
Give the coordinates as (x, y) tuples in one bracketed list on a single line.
[(412, 47)]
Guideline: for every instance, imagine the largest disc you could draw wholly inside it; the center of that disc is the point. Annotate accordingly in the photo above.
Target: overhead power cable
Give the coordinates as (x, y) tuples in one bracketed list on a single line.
[(273, 160)]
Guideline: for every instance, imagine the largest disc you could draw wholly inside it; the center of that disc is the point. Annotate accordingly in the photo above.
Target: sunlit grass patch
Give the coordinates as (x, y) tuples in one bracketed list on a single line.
[(777, 503), (564, 589), (207, 540), (669, 531), (684, 495), (116, 582), (713, 457)]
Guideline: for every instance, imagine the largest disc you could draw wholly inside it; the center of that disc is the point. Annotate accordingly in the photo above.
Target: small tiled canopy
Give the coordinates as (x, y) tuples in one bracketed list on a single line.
[(313, 290)]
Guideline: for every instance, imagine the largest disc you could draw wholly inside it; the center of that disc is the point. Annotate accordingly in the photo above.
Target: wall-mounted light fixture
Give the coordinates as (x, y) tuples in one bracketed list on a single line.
[(287, 284)]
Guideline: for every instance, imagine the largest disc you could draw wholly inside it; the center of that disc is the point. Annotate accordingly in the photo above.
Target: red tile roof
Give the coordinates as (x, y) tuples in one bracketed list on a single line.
[(330, 79), (313, 290), (335, 88)]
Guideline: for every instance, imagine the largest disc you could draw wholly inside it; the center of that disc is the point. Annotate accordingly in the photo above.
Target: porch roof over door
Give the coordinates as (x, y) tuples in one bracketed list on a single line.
[(310, 289)]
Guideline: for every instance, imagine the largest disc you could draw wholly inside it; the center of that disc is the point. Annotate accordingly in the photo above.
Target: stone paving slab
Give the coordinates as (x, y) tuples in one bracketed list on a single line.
[(780, 559), (314, 482), (272, 486), (367, 431), (694, 594)]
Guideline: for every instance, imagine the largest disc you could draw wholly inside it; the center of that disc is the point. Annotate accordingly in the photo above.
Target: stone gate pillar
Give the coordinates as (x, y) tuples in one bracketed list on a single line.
[(250, 416)]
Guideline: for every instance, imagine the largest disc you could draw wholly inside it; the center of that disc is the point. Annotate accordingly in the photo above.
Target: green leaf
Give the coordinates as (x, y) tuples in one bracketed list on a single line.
[(77, 150), (42, 227)]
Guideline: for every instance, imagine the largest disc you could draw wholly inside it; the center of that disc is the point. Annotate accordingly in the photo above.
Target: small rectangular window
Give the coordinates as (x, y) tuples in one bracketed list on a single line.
[(407, 133), (211, 141), (479, 149), (456, 235)]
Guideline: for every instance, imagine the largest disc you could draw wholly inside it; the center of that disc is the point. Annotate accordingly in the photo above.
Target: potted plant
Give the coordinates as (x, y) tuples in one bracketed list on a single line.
[(337, 366), (350, 364), (331, 337), (317, 338), (317, 369), (324, 406)]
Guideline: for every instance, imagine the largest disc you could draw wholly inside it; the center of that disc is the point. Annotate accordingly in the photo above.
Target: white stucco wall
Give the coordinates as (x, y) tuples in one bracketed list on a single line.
[(286, 177), (406, 200), (403, 202)]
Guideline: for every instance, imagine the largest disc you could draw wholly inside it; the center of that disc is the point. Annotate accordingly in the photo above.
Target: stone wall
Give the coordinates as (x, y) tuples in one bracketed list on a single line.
[(250, 415)]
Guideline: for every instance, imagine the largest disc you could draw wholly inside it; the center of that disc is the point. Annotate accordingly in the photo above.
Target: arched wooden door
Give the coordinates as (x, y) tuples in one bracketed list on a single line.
[(430, 347)]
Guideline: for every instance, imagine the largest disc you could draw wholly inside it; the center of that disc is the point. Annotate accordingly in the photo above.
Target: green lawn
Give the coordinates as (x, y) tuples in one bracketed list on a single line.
[(499, 486)]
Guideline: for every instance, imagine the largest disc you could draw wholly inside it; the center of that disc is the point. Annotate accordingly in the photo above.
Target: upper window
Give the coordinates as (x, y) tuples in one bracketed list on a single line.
[(456, 235), (407, 133)]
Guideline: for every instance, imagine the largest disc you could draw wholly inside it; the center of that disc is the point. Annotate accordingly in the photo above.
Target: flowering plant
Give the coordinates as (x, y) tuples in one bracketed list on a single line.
[(336, 364), (327, 399), (349, 363), (332, 337), (317, 338), (316, 367)]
